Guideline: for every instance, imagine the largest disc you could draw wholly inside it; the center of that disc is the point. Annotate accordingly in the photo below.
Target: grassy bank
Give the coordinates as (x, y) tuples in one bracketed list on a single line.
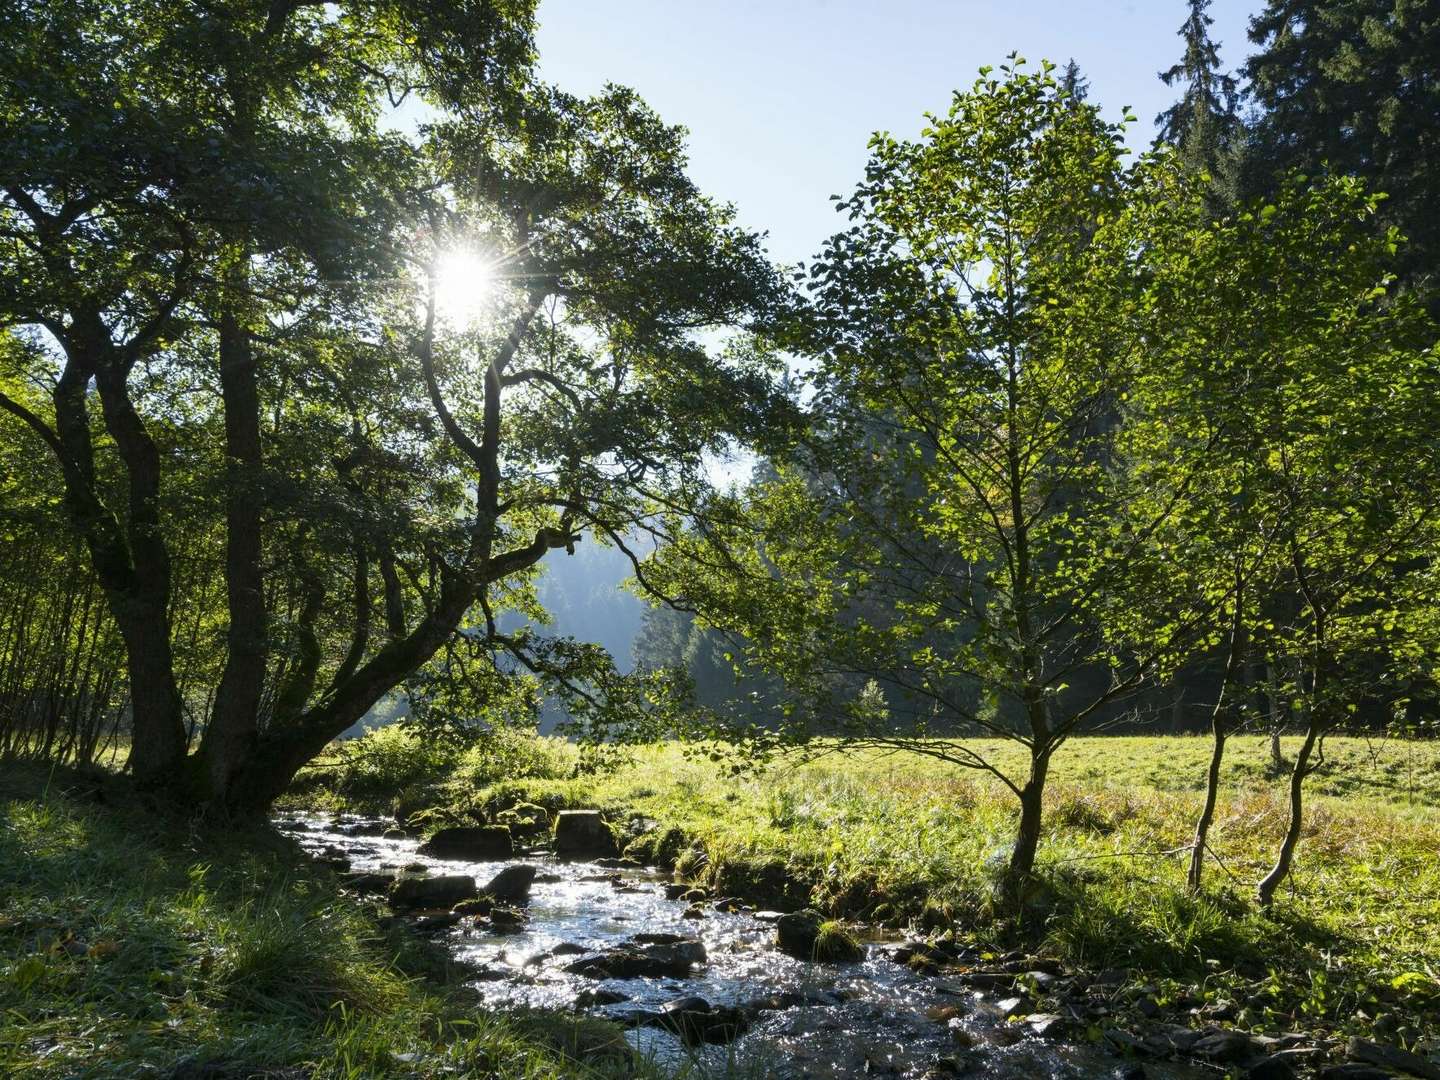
[(132, 945), (1351, 947)]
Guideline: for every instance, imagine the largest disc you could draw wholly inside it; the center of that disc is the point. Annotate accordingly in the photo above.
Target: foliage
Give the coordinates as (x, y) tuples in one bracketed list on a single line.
[(397, 766)]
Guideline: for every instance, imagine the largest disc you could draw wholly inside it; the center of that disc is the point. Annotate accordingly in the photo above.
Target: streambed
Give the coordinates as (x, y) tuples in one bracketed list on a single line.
[(805, 1020)]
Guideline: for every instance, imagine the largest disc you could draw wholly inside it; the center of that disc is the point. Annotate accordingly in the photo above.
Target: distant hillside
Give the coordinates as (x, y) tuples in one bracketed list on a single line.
[(583, 593)]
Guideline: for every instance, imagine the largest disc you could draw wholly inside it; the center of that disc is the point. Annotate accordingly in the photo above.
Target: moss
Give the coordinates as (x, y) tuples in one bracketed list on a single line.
[(835, 945)]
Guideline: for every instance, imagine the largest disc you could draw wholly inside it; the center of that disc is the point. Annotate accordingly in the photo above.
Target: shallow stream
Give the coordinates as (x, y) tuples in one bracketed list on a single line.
[(811, 1020)]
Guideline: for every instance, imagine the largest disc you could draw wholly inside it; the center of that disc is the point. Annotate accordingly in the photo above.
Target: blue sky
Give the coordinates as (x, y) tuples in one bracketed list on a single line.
[(781, 97)]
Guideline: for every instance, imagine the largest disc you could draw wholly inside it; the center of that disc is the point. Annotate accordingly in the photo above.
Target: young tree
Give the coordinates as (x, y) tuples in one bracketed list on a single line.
[(1279, 393), (951, 529)]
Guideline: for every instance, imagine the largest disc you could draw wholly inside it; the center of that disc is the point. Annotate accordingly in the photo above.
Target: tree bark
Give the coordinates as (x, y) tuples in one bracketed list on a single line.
[(1027, 835), (1220, 724), (142, 609), (235, 718), (283, 751), (1265, 891)]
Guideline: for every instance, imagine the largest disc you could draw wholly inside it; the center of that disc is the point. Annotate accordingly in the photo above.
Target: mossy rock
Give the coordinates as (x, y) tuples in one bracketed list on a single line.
[(806, 935), (764, 882), (658, 847)]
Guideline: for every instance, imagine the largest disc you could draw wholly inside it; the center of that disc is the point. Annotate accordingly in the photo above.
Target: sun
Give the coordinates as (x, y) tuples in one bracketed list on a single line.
[(464, 285)]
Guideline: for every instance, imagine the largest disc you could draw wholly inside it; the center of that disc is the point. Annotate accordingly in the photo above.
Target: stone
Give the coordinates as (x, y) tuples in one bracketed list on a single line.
[(481, 843), (1046, 1025), (641, 961), (1225, 1046), (692, 912), (582, 834), (692, 1003), (591, 999), (507, 920), (675, 890), (796, 934), (568, 948), (365, 828), (1171, 1038), (1391, 1057), (1355, 1070), (512, 884), (1042, 981), (1272, 1067), (1122, 1040), (986, 980), (368, 883), (1013, 1006), (442, 891), (695, 1020)]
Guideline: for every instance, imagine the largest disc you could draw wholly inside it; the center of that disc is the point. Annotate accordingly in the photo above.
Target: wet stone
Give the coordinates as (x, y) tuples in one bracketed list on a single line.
[(443, 891), (600, 996), (512, 884), (582, 834), (642, 961), (481, 843)]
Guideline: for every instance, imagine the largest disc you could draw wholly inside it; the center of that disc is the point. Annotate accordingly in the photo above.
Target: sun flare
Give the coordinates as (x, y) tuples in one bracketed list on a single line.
[(464, 284)]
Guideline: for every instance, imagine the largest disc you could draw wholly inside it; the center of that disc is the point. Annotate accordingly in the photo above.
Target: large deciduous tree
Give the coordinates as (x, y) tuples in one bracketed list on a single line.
[(212, 242)]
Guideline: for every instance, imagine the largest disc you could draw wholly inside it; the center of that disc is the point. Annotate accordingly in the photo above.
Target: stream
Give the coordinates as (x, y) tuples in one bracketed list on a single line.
[(805, 1019)]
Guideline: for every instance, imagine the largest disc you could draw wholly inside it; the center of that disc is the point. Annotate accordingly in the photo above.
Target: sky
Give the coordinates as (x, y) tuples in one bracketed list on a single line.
[(781, 97)]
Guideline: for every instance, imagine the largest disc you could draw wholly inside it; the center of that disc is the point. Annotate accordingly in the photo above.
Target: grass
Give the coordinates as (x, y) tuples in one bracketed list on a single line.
[(136, 945), (1352, 946)]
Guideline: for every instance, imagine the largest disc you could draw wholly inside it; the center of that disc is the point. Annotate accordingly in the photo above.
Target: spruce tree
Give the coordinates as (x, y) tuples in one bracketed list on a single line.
[(1204, 124), (1351, 87)]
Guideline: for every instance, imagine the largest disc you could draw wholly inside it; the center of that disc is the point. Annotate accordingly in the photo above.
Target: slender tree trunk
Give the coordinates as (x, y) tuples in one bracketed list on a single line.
[(1265, 891), (234, 722), (1316, 717), (1220, 723), (1027, 835)]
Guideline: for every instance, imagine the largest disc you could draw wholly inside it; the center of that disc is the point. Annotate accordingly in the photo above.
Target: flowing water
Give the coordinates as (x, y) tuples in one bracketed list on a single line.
[(872, 1018)]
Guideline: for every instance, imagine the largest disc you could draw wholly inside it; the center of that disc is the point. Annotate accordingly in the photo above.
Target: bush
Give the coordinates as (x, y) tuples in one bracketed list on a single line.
[(512, 754)]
